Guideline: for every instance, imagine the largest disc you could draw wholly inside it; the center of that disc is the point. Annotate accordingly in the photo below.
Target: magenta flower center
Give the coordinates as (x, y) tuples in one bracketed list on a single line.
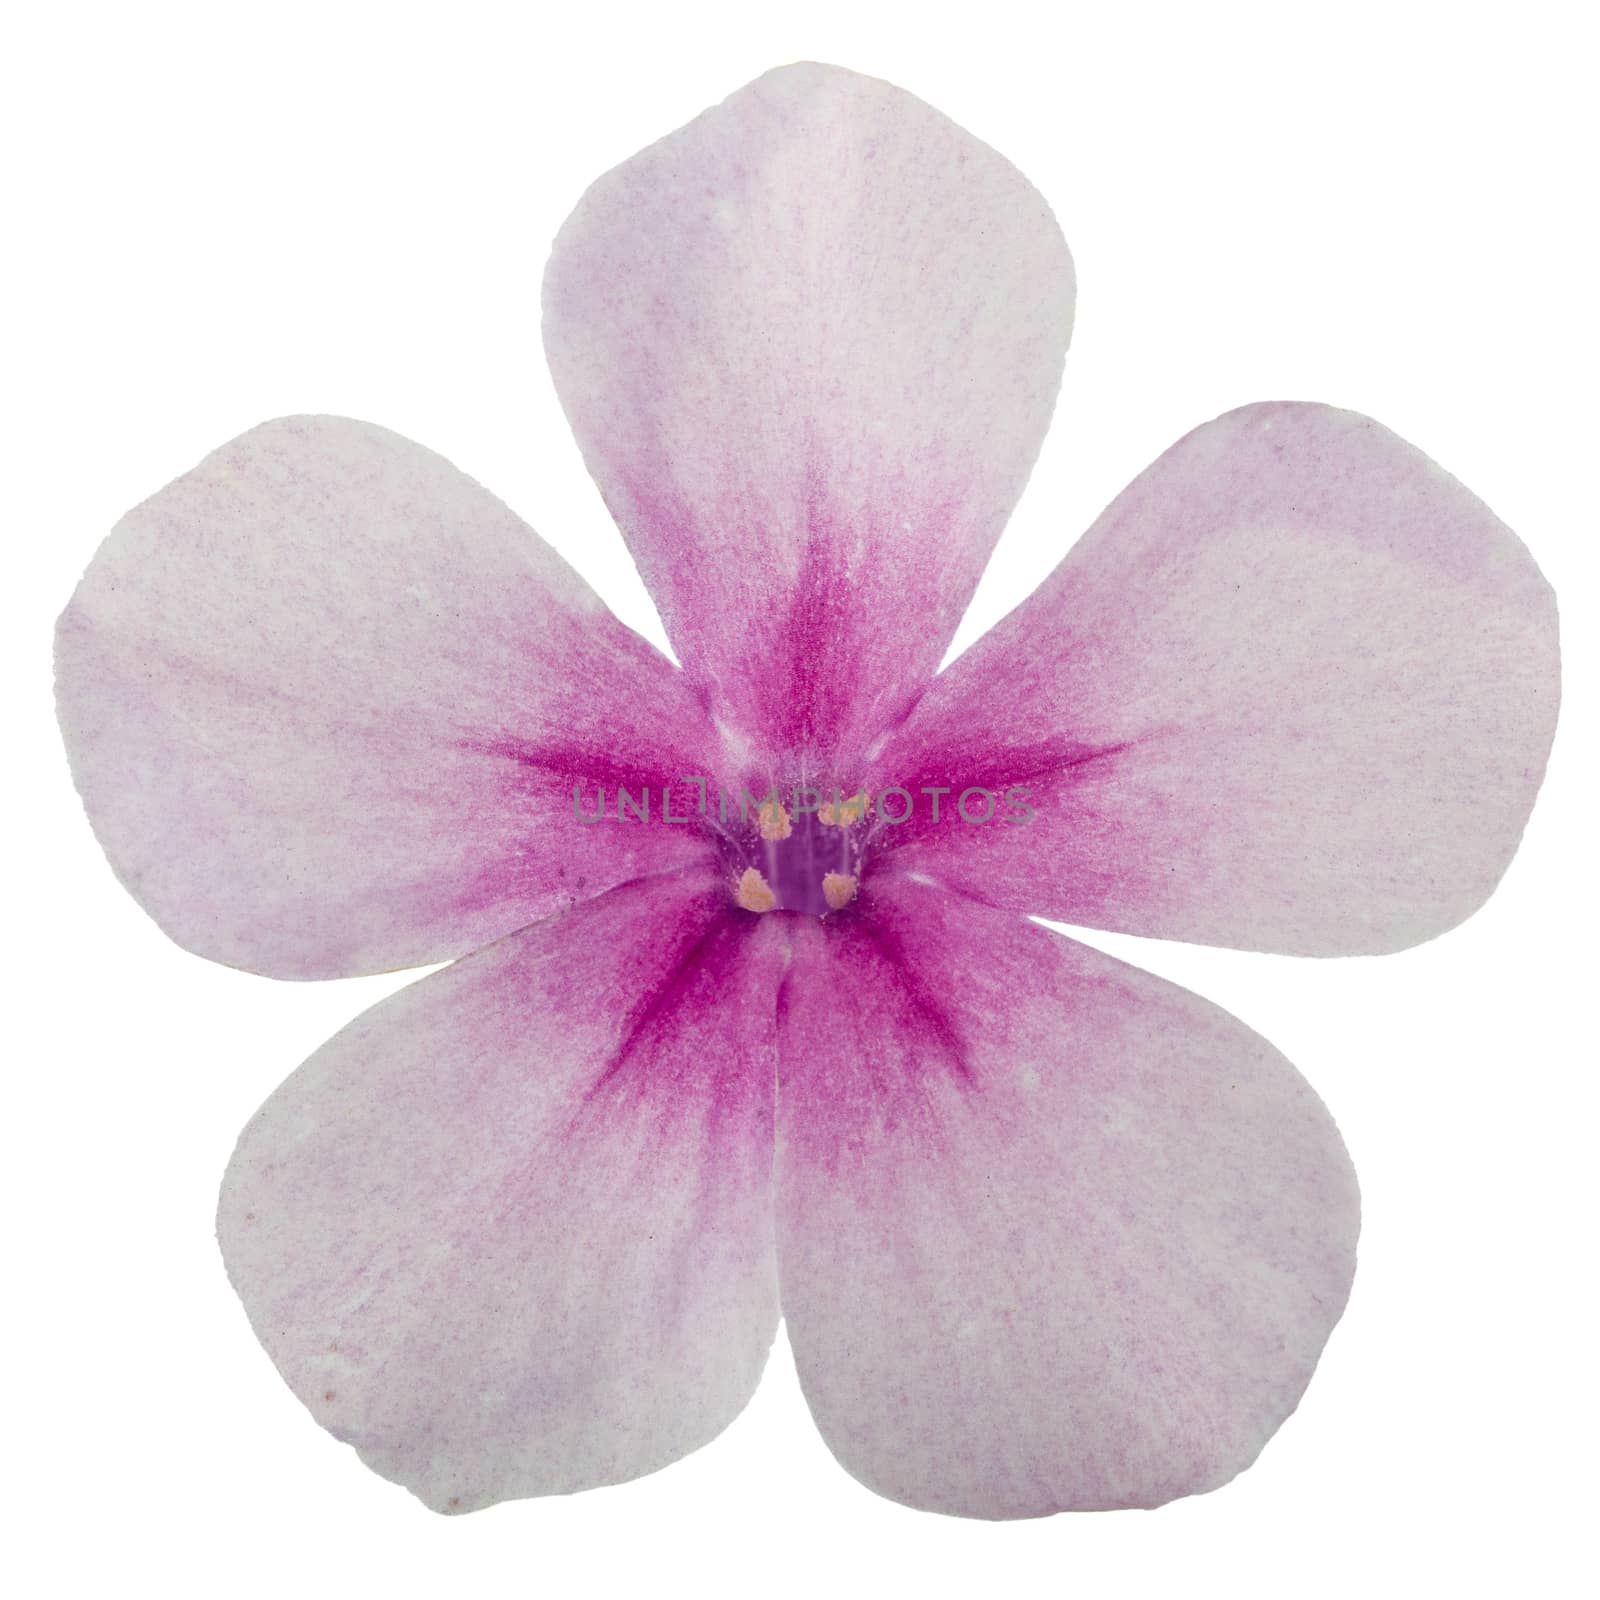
[(801, 851)]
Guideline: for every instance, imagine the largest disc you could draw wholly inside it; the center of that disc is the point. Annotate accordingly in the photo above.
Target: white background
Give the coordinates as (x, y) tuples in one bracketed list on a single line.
[(222, 213)]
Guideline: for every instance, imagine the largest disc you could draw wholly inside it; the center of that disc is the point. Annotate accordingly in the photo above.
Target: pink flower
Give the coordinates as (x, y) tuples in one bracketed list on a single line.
[(1049, 1233)]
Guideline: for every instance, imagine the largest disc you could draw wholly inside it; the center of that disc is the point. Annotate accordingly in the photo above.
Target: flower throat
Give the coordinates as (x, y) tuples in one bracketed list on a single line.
[(807, 859)]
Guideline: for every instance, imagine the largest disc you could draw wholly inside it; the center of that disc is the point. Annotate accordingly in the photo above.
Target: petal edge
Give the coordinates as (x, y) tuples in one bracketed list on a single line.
[(810, 344), (1053, 1234), (1294, 691)]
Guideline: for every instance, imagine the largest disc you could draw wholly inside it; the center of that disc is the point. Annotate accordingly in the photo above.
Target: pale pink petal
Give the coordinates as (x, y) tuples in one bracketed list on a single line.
[(809, 345), (510, 1232), (1052, 1234), (326, 700), (1293, 691)]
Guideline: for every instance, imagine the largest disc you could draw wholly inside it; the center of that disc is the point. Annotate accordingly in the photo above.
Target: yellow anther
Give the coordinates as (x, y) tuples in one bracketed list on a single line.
[(773, 821), (755, 894), (838, 889), (845, 812)]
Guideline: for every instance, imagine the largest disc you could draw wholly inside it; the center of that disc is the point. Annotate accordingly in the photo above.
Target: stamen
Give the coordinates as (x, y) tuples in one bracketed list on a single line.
[(755, 894), (838, 889), (773, 821), (845, 812)]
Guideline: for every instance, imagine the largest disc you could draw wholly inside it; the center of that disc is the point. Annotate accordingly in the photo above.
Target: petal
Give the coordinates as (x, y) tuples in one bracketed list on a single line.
[(1294, 691), (326, 700), (1052, 1234), (509, 1233), (809, 345)]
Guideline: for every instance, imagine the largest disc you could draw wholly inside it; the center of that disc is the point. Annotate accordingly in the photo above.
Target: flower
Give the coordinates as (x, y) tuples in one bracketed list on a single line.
[(1049, 1232)]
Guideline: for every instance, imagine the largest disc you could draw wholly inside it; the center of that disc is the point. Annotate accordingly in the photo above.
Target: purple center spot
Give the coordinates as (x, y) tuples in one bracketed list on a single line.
[(801, 868)]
